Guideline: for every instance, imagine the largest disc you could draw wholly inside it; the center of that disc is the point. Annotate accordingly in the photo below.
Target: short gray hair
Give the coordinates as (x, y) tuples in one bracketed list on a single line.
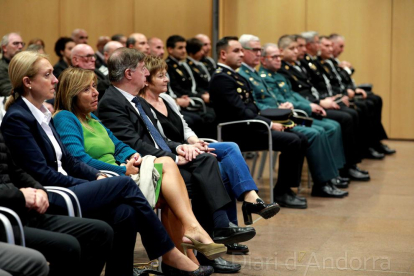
[(5, 40), (285, 41), (246, 38), (309, 36), (121, 60), (267, 46)]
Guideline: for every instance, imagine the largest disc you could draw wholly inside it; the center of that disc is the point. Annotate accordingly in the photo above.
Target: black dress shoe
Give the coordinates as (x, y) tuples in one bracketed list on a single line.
[(201, 271), (357, 175), (373, 154), (359, 169), (262, 209), (339, 184), (385, 149), (219, 265), (237, 249), (292, 193), (233, 234), (327, 190), (289, 201), (344, 179)]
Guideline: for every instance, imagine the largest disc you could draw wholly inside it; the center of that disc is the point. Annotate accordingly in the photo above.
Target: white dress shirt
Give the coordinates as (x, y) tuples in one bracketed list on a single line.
[(43, 117)]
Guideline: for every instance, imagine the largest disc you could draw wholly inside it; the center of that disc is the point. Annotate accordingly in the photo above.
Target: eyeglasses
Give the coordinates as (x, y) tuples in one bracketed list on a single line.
[(89, 57), (275, 57), (16, 43), (256, 50)]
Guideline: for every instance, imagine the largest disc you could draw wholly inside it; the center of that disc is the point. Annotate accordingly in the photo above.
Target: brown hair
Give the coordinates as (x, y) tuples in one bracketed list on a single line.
[(71, 82)]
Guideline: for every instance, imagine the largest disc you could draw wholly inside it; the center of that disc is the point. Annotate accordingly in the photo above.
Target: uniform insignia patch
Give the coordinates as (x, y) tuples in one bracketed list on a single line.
[(251, 79), (270, 74), (229, 73), (287, 67), (175, 65), (179, 72), (263, 75), (307, 58), (281, 84), (239, 90), (295, 78), (312, 66), (239, 82), (196, 70)]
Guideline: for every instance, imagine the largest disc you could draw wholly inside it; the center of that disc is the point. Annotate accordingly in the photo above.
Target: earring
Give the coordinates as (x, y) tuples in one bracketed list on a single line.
[(30, 87)]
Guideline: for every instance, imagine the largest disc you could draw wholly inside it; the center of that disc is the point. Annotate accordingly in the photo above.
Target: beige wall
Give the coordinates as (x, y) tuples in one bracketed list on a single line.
[(379, 33), (51, 19), (379, 37)]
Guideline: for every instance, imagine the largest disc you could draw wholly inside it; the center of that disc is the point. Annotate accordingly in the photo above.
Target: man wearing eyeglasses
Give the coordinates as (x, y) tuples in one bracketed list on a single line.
[(11, 44), (321, 162), (84, 57)]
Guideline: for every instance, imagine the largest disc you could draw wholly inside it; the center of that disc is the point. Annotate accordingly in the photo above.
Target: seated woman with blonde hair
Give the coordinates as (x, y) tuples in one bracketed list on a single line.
[(30, 134), (88, 140)]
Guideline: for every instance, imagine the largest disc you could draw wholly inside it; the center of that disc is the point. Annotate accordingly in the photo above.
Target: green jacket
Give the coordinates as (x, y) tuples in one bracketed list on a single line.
[(282, 89), (262, 93)]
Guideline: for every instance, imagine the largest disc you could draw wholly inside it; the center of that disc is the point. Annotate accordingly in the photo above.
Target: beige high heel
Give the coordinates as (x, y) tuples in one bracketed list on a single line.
[(211, 250)]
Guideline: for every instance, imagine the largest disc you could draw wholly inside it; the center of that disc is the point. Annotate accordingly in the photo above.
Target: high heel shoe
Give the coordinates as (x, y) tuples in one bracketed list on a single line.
[(262, 209), (200, 271), (211, 250)]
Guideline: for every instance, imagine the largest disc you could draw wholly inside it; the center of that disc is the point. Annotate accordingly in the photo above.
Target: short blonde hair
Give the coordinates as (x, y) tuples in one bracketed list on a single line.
[(154, 65), (71, 82), (22, 65)]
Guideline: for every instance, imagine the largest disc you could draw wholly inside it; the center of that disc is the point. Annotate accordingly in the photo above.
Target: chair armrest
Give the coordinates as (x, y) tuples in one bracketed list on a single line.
[(252, 121), (302, 112), (195, 99), (65, 195), (109, 173), (5, 215)]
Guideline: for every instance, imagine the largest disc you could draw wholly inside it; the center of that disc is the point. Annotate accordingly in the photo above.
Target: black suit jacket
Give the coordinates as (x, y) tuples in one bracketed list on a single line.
[(300, 81), (232, 98), (117, 114), (32, 150)]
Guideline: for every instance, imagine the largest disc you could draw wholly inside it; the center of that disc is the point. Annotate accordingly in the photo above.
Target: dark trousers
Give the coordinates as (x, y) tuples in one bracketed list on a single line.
[(292, 146), (120, 202), (204, 174), (349, 129), (72, 246)]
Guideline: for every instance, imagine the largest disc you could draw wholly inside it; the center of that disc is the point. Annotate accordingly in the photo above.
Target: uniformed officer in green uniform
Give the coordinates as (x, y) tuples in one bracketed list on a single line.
[(282, 90), (323, 166)]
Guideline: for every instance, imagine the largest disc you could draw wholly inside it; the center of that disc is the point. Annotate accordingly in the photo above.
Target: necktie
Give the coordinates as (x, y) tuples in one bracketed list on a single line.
[(151, 128)]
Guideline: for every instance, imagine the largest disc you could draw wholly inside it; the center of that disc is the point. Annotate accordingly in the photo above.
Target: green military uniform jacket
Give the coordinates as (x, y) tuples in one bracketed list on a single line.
[(282, 90), (262, 93)]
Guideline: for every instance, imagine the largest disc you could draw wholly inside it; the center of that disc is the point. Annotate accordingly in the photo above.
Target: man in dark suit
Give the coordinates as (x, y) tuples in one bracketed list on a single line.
[(206, 59), (183, 86), (232, 99), (346, 71), (84, 57), (126, 115)]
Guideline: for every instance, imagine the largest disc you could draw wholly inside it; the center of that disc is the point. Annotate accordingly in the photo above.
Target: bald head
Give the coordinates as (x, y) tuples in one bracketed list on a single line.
[(109, 48), (156, 47), (138, 41), (102, 40), (80, 36), (206, 43), (83, 56)]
